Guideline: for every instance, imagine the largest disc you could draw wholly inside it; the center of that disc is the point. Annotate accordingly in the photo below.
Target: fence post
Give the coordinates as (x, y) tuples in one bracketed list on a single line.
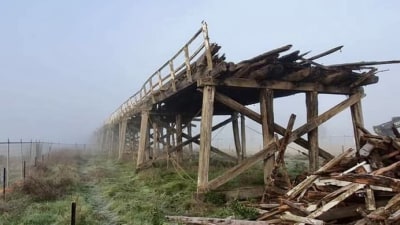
[(24, 170), (8, 159), (4, 183), (73, 213)]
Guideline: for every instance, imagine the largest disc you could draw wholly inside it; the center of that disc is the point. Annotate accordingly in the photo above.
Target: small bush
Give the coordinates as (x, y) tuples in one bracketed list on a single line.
[(49, 185)]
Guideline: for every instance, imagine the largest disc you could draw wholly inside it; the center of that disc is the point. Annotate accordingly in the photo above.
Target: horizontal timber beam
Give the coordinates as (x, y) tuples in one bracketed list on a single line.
[(275, 85)]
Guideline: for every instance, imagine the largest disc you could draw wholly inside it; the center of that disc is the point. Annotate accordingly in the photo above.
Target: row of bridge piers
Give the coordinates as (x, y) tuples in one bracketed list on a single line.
[(149, 135)]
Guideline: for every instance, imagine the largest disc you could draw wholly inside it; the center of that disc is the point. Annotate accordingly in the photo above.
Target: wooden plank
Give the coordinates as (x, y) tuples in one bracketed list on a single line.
[(335, 201), (312, 112), (212, 221), (267, 125), (310, 179), (371, 180), (205, 137), (243, 135), (231, 103), (266, 54), (288, 216), (276, 85), (143, 137), (236, 138)]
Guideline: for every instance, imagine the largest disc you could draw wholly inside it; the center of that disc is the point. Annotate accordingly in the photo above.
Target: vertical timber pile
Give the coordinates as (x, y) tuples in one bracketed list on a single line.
[(156, 143), (267, 124), (207, 112), (144, 124), (243, 134), (178, 123), (358, 120), (236, 138), (122, 138), (312, 112)]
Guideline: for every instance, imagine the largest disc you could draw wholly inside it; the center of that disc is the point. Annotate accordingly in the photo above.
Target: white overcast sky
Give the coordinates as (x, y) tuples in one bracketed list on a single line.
[(66, 65)]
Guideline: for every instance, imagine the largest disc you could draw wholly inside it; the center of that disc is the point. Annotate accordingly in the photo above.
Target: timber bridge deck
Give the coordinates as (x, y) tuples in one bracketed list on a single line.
[(204, 84)]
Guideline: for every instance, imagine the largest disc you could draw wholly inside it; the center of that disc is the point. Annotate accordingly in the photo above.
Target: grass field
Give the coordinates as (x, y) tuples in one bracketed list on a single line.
[(109, 192)]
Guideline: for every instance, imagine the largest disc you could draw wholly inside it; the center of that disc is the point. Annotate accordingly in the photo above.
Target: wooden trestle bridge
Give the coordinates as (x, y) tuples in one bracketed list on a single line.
[(203, 84)]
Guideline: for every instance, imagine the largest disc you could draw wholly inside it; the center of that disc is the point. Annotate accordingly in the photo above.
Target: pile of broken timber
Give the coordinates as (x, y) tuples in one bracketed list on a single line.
[(353, 188)]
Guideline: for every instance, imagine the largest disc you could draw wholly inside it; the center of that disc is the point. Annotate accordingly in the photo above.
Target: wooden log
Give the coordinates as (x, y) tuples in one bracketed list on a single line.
[(231, 103), (312, 112), (310, 179), (156, 141), (205, 137), (189, 132), (274, 212), (212, 221), (267, 123), (236, 138)]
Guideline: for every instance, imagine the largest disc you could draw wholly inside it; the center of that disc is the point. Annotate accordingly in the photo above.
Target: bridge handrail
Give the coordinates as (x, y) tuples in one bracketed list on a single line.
[(156, 81)]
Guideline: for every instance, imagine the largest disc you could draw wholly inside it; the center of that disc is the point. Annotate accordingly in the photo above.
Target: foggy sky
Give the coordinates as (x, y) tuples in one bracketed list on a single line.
[(65, 66)]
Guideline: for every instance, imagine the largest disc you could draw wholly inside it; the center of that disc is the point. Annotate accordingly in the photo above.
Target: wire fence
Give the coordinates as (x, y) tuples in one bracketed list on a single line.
[(17, 157)]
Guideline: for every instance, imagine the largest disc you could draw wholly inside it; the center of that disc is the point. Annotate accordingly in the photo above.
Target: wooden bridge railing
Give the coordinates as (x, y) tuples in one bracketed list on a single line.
[(156, 81)]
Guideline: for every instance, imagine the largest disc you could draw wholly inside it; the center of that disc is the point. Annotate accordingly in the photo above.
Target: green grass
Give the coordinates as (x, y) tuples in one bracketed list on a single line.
[(109, 192)]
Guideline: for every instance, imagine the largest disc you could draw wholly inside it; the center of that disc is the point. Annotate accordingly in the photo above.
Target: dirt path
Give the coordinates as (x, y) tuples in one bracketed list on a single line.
[(93, 196)]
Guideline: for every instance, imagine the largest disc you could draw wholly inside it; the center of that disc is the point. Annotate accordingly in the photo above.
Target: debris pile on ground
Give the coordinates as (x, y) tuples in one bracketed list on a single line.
[(356, 187), (353, 188)]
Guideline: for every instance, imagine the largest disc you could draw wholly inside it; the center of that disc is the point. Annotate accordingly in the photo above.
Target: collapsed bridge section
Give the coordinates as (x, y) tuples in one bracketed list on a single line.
[(151, 123)]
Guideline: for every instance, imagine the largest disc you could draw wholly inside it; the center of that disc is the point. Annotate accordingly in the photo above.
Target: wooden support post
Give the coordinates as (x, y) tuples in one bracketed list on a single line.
[(267, 123), (312, 112), (243, 135), (122, 138), (189, 132), (179, 152), (149, 151), (236, 138), (357, 118), (143, 137), (205, 137), (156, 142)]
